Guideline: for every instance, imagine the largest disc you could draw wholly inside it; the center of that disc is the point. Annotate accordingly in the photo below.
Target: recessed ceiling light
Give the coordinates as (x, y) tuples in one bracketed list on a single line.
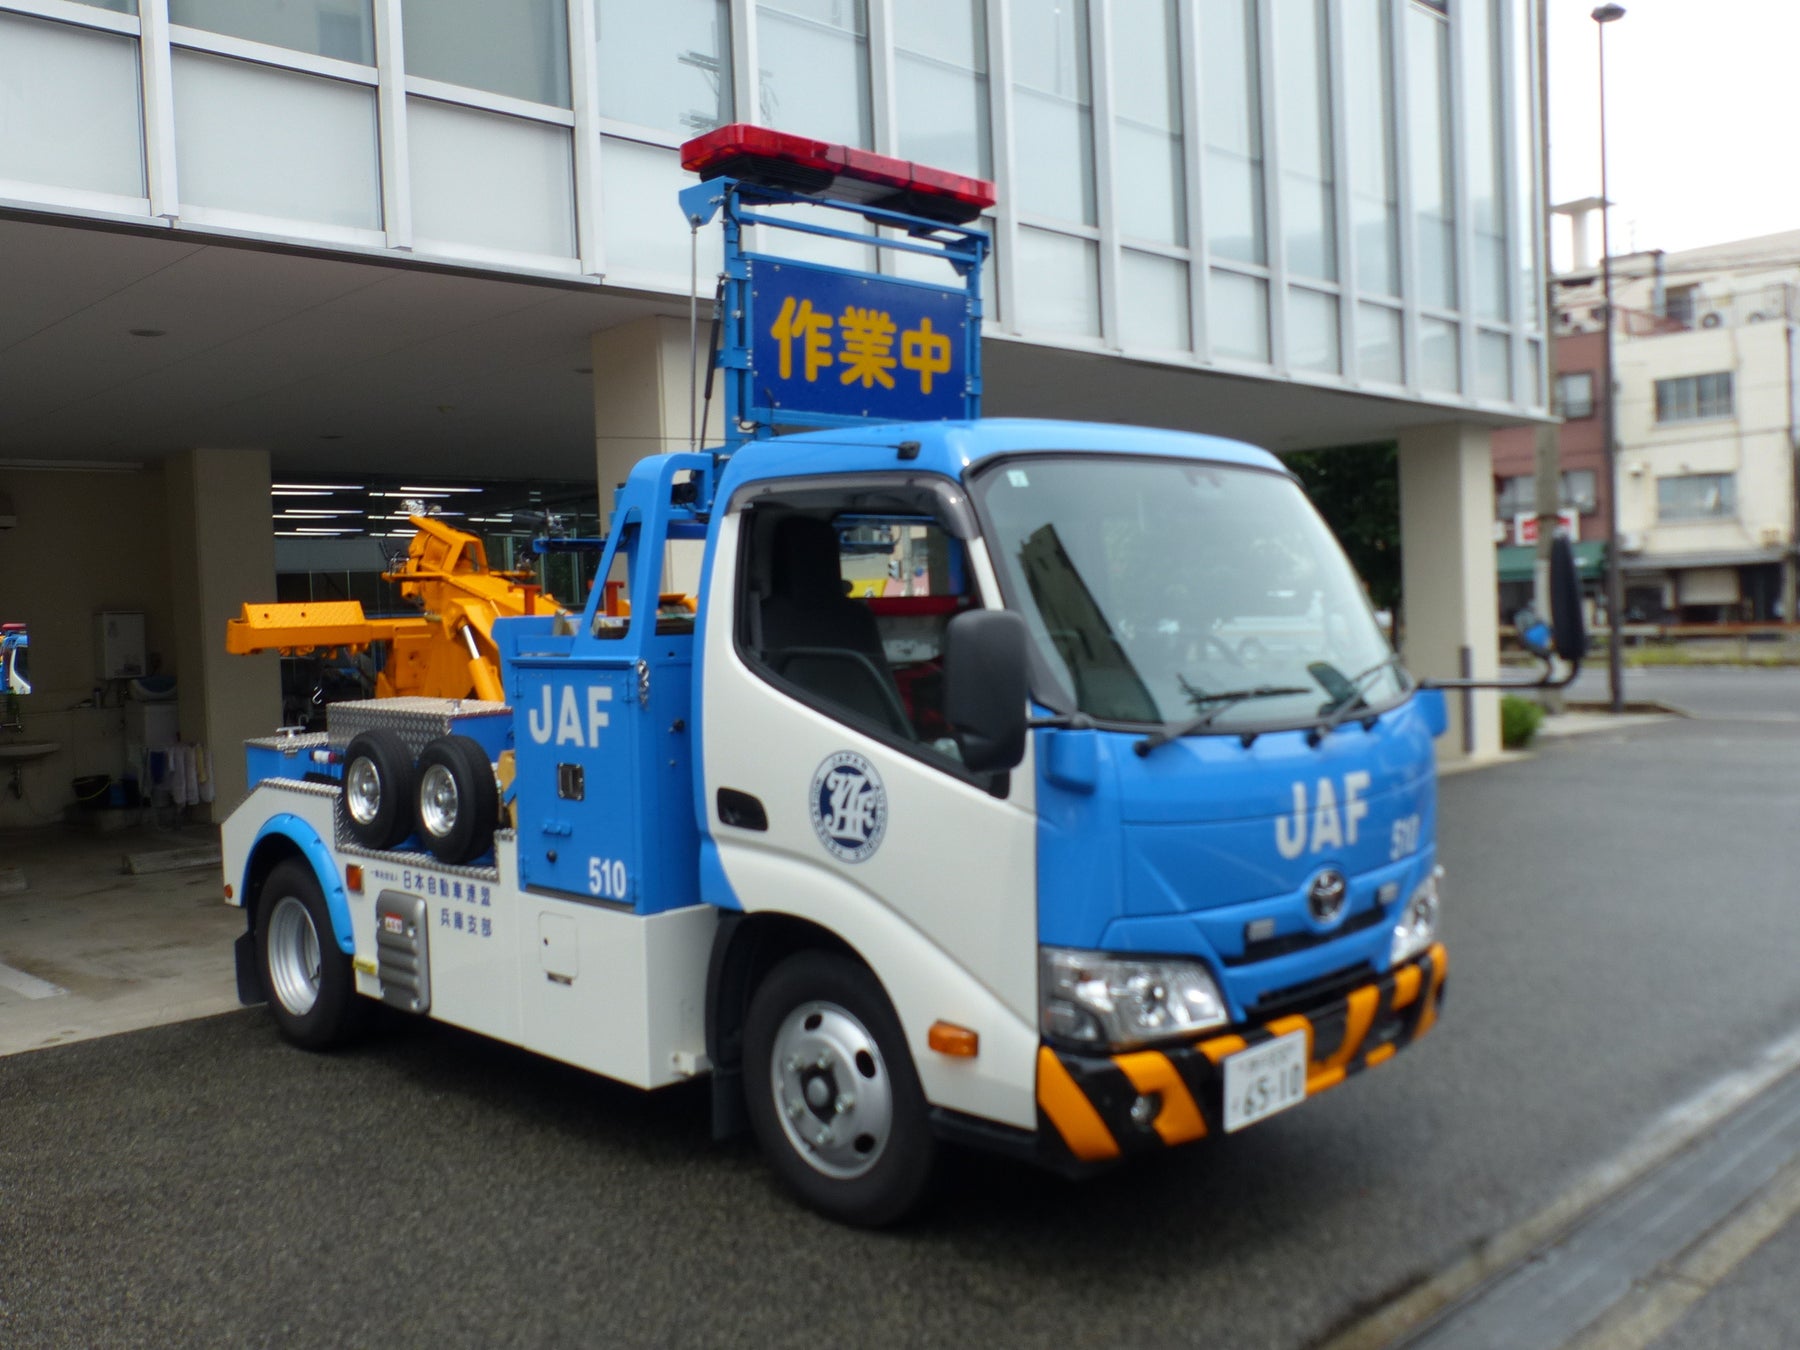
[(149, 332)]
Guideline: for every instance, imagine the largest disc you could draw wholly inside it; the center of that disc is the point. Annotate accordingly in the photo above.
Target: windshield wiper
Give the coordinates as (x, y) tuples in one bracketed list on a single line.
[(1224, 699), (1348, 698)]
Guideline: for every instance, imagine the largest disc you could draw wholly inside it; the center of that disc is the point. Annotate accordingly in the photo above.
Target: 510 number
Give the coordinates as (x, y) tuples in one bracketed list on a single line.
[(606, 878)]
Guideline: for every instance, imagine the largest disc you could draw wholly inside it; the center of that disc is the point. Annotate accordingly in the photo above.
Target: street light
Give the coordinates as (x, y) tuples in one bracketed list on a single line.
[(1615, 597)]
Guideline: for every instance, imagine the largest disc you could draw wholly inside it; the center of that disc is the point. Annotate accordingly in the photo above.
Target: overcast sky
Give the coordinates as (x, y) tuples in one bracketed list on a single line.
[(1702, 128)]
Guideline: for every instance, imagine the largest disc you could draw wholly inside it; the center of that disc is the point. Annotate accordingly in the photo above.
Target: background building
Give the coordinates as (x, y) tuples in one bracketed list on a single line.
[(1579, 397), (435, 242), (1707, 431)]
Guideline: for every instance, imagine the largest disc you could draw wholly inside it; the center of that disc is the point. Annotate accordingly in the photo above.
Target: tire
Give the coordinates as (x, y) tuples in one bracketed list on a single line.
[(820, 1031), (458, 801), (309, 981), (378, 789)]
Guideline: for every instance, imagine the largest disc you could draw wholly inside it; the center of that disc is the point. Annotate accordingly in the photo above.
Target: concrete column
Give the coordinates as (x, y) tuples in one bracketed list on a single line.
[(1447, 579), (642, 383), (221, 554)]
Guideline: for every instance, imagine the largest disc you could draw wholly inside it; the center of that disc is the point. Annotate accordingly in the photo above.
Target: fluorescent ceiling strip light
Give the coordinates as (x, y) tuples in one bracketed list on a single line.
[(75, 465), (421, 491), (299, 492), (316, 487)]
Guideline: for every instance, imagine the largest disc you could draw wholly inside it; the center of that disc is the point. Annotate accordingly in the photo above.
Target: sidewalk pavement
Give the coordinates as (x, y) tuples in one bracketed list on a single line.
[(87, 949)]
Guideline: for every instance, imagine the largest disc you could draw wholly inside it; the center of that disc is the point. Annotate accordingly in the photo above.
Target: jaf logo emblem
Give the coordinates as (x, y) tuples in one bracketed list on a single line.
[(849, 807)]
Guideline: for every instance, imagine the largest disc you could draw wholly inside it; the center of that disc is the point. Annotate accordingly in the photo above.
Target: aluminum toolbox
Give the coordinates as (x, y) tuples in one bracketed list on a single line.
[(419, 721)]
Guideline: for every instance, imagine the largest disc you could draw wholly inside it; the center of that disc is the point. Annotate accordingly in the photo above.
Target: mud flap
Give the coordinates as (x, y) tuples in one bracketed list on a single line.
[(249, 978)]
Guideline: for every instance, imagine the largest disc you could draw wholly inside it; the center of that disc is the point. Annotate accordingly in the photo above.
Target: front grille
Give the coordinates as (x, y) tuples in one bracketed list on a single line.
[(1300, 997), (1288, 943)]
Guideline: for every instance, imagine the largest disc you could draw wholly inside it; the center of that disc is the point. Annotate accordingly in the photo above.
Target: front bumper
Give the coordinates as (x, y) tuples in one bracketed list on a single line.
[(1085, 1101)]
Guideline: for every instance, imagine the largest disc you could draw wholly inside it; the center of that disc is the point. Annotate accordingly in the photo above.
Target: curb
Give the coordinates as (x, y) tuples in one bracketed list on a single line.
[(1636, 705)]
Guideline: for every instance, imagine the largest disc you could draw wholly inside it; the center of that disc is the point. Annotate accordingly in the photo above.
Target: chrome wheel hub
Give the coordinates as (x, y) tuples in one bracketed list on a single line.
[(438, 801), (831, 1088), (362, 790), (293, 956)]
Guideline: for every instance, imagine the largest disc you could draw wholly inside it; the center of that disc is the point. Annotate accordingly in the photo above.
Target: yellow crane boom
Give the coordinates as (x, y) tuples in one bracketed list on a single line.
[(446, 651)]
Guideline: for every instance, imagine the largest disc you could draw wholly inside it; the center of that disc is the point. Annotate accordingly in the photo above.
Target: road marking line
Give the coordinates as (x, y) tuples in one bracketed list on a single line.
[(1665, 1299), (1672, 1132), (28, 985)]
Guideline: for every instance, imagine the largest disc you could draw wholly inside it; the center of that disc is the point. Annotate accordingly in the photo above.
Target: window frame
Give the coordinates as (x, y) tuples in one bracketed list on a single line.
[(1666, 415), (1562, 406), (950, 511), (1728, 490)]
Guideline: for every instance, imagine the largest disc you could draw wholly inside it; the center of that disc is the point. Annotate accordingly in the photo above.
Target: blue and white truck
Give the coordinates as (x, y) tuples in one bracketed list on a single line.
[(955, 808)]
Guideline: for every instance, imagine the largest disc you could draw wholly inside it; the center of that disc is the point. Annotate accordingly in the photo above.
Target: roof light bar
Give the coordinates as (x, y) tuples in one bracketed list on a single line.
[(800, 164)]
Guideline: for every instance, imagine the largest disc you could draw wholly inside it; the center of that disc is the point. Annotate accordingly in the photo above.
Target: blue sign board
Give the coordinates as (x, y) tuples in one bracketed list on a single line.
[(832, 344)]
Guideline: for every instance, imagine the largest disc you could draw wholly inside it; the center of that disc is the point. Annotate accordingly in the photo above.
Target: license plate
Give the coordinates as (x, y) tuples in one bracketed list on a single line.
[(1264, 1080)]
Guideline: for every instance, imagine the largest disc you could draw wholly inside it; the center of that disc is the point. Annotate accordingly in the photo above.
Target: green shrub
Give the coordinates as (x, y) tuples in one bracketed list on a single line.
[(1519, 721)]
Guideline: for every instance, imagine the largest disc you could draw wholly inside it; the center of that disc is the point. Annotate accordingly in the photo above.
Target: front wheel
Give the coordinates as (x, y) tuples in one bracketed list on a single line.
[(308, 979), (832, 1092)]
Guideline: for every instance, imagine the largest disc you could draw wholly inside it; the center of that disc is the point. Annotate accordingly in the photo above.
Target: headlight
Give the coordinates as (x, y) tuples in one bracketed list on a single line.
[(1418, 924), (1095, 999)]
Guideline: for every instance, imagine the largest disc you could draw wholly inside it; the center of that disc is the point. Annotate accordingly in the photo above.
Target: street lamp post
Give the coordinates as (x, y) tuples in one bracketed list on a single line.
[(1615, 597)]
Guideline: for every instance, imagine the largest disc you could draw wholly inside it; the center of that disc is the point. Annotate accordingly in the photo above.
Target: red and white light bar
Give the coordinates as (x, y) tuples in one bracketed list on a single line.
[(800, 164)]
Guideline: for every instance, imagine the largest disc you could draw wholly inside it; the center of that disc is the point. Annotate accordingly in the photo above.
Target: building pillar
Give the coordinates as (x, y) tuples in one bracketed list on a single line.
[(643, 378), (1449, 590), (221, 554)]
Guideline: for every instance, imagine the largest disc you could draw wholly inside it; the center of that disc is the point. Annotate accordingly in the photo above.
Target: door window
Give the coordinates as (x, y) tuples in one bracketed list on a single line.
[(846, 610)]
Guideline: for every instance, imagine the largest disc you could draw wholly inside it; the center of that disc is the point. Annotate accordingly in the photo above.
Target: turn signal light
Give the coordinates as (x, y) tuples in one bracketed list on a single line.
[(949, 1039), (353, 879), (228, 891)]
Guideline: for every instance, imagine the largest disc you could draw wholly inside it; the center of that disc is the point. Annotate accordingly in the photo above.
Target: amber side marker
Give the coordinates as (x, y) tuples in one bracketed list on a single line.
[(949, 1039), (228, 890), (353, 878)]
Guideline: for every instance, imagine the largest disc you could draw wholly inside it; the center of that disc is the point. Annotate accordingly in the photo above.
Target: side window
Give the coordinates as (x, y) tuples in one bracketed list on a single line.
[(847, 610)]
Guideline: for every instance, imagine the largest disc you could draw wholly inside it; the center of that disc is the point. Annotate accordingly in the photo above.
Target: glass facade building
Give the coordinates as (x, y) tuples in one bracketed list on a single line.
[(1343, 193)]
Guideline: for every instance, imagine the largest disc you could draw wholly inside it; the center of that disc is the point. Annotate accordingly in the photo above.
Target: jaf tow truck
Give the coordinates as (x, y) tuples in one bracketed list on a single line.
[(957, 807)]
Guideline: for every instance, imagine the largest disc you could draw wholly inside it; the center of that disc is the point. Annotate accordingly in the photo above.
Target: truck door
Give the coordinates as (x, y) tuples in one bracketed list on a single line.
[(833, 790)]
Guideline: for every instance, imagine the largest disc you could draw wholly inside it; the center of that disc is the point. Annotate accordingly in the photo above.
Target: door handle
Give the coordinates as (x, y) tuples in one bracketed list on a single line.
[(741, 811)]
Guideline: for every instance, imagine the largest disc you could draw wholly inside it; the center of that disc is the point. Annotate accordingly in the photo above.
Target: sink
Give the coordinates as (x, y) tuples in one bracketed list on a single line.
[(17, 751)]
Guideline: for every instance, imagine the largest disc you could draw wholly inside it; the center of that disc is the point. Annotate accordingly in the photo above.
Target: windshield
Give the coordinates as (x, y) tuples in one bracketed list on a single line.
[(1159, 590)]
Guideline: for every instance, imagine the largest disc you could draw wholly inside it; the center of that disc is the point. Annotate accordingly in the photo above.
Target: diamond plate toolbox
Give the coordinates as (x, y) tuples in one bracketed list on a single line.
[(419, 721)]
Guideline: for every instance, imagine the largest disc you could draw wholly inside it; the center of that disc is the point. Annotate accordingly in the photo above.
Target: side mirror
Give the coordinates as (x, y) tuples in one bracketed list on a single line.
[(1565, 602), (986, 653)]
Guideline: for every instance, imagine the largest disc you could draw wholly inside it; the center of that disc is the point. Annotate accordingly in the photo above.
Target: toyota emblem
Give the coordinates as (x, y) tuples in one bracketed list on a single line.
[(1327, 895)]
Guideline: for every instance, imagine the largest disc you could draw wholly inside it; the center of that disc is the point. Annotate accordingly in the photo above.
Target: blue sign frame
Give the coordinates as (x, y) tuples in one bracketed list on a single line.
[(807, 345)]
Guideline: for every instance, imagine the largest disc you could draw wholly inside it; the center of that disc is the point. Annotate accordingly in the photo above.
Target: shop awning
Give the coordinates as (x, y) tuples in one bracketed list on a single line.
[(1515, 563)]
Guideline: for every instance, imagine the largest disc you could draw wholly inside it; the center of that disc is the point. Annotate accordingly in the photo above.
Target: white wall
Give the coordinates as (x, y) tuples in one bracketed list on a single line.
[(1753, 444)]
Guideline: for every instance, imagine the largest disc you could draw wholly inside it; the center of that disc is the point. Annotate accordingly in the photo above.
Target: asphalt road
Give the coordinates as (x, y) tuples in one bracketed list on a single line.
[(1743, 693), (1621, 931)]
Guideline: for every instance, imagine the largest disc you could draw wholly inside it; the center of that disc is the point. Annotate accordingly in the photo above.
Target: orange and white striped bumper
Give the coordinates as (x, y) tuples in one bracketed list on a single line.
[(1085, 1101)]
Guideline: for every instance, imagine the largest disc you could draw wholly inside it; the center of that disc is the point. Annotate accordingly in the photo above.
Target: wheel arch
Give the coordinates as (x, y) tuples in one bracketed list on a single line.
[(288, 836), (746, 947)]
